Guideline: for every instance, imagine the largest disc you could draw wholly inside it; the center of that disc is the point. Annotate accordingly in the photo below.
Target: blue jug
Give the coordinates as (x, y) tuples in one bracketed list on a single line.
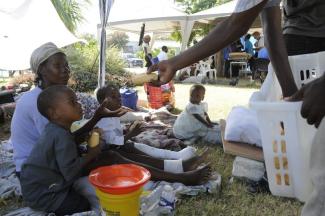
[(129, 98)]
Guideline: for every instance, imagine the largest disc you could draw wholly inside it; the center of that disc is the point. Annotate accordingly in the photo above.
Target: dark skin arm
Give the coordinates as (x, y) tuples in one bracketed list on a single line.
[(134, 130), (93, 152), (202, 120), (271, 20), (222, 35), (208, 118)]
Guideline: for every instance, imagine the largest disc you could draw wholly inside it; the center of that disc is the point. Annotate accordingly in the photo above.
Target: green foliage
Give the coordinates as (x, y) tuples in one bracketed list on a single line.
[(114, 61), (83, 81), (140, 54), (84, 64), (118, 39), (194, 6), (25, 78), (70, 12)]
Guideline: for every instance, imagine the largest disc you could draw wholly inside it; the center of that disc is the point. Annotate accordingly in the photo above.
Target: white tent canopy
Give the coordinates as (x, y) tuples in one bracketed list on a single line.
[(223, 10), (219, 13), (24, 26), (162, 16), (159, 16)]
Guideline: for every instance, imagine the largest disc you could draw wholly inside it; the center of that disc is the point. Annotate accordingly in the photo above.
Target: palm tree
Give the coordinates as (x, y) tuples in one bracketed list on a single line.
[(70, 12)]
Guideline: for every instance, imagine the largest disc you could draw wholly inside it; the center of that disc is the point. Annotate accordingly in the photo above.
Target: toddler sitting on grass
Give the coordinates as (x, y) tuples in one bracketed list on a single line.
[(194, 121)]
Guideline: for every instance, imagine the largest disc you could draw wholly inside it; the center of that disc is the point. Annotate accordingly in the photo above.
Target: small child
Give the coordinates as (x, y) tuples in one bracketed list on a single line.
[(54, 165), (194, 121)]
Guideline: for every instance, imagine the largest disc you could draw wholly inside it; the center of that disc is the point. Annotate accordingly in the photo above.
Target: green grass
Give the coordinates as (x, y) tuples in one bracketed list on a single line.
[(233, 198)]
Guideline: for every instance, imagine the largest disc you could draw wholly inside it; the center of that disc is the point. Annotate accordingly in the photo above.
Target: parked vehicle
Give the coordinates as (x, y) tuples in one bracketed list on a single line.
[(131, 60)]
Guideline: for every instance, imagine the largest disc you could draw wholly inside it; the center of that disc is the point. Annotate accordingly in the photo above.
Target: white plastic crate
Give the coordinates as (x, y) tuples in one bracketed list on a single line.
[(286, 136)]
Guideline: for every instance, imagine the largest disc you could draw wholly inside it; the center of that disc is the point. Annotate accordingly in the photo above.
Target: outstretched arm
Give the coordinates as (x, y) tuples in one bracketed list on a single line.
[(101, 112), (271, 20), (223, 34), (202, 120), (208, 118)]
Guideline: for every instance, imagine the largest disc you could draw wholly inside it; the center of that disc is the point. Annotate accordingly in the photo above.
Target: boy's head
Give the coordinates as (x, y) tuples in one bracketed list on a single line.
[(146, 38), (256, 35), (197, 93), (59, 103), (112, 93), (165, 49)]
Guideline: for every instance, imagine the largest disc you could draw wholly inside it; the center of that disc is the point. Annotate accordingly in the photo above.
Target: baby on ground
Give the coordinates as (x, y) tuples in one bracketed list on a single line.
[(171, 161), (194, 121)]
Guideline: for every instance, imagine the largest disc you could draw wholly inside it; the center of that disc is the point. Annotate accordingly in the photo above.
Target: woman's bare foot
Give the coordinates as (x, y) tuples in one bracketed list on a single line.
[(198, 177), (194, 162)]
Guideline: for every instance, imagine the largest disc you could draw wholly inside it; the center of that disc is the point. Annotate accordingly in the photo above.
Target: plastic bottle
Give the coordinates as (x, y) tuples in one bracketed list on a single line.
[(167, 201), (93, 140), (149, 204)]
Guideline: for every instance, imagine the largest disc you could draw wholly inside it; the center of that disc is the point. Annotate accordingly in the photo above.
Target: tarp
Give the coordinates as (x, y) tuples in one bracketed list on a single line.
[(24, 26), (159, 16)]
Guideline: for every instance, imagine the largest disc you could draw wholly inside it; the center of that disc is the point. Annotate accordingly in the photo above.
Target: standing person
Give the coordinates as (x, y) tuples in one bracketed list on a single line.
[(248, 47), (147, 50), (163, 53), (259, 44)]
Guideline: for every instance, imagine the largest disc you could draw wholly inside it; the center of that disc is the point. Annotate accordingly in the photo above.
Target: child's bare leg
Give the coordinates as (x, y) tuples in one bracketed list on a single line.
[(194, 162), (141, 158), (194, 177)]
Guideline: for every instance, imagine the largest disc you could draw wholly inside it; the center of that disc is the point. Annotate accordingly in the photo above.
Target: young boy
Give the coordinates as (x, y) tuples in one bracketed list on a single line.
[(194, 121), (147, 50), (48, 175)]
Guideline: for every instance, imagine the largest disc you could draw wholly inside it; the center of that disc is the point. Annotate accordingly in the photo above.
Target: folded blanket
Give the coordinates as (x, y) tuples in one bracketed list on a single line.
[(242, 126)]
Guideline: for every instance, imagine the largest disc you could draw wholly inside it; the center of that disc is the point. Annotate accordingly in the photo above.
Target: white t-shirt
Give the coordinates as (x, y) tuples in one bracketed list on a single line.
[(147, 46), (260, 42), (187, 126), (162, 56), (244, 5), (26, 126), (112, 128)]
